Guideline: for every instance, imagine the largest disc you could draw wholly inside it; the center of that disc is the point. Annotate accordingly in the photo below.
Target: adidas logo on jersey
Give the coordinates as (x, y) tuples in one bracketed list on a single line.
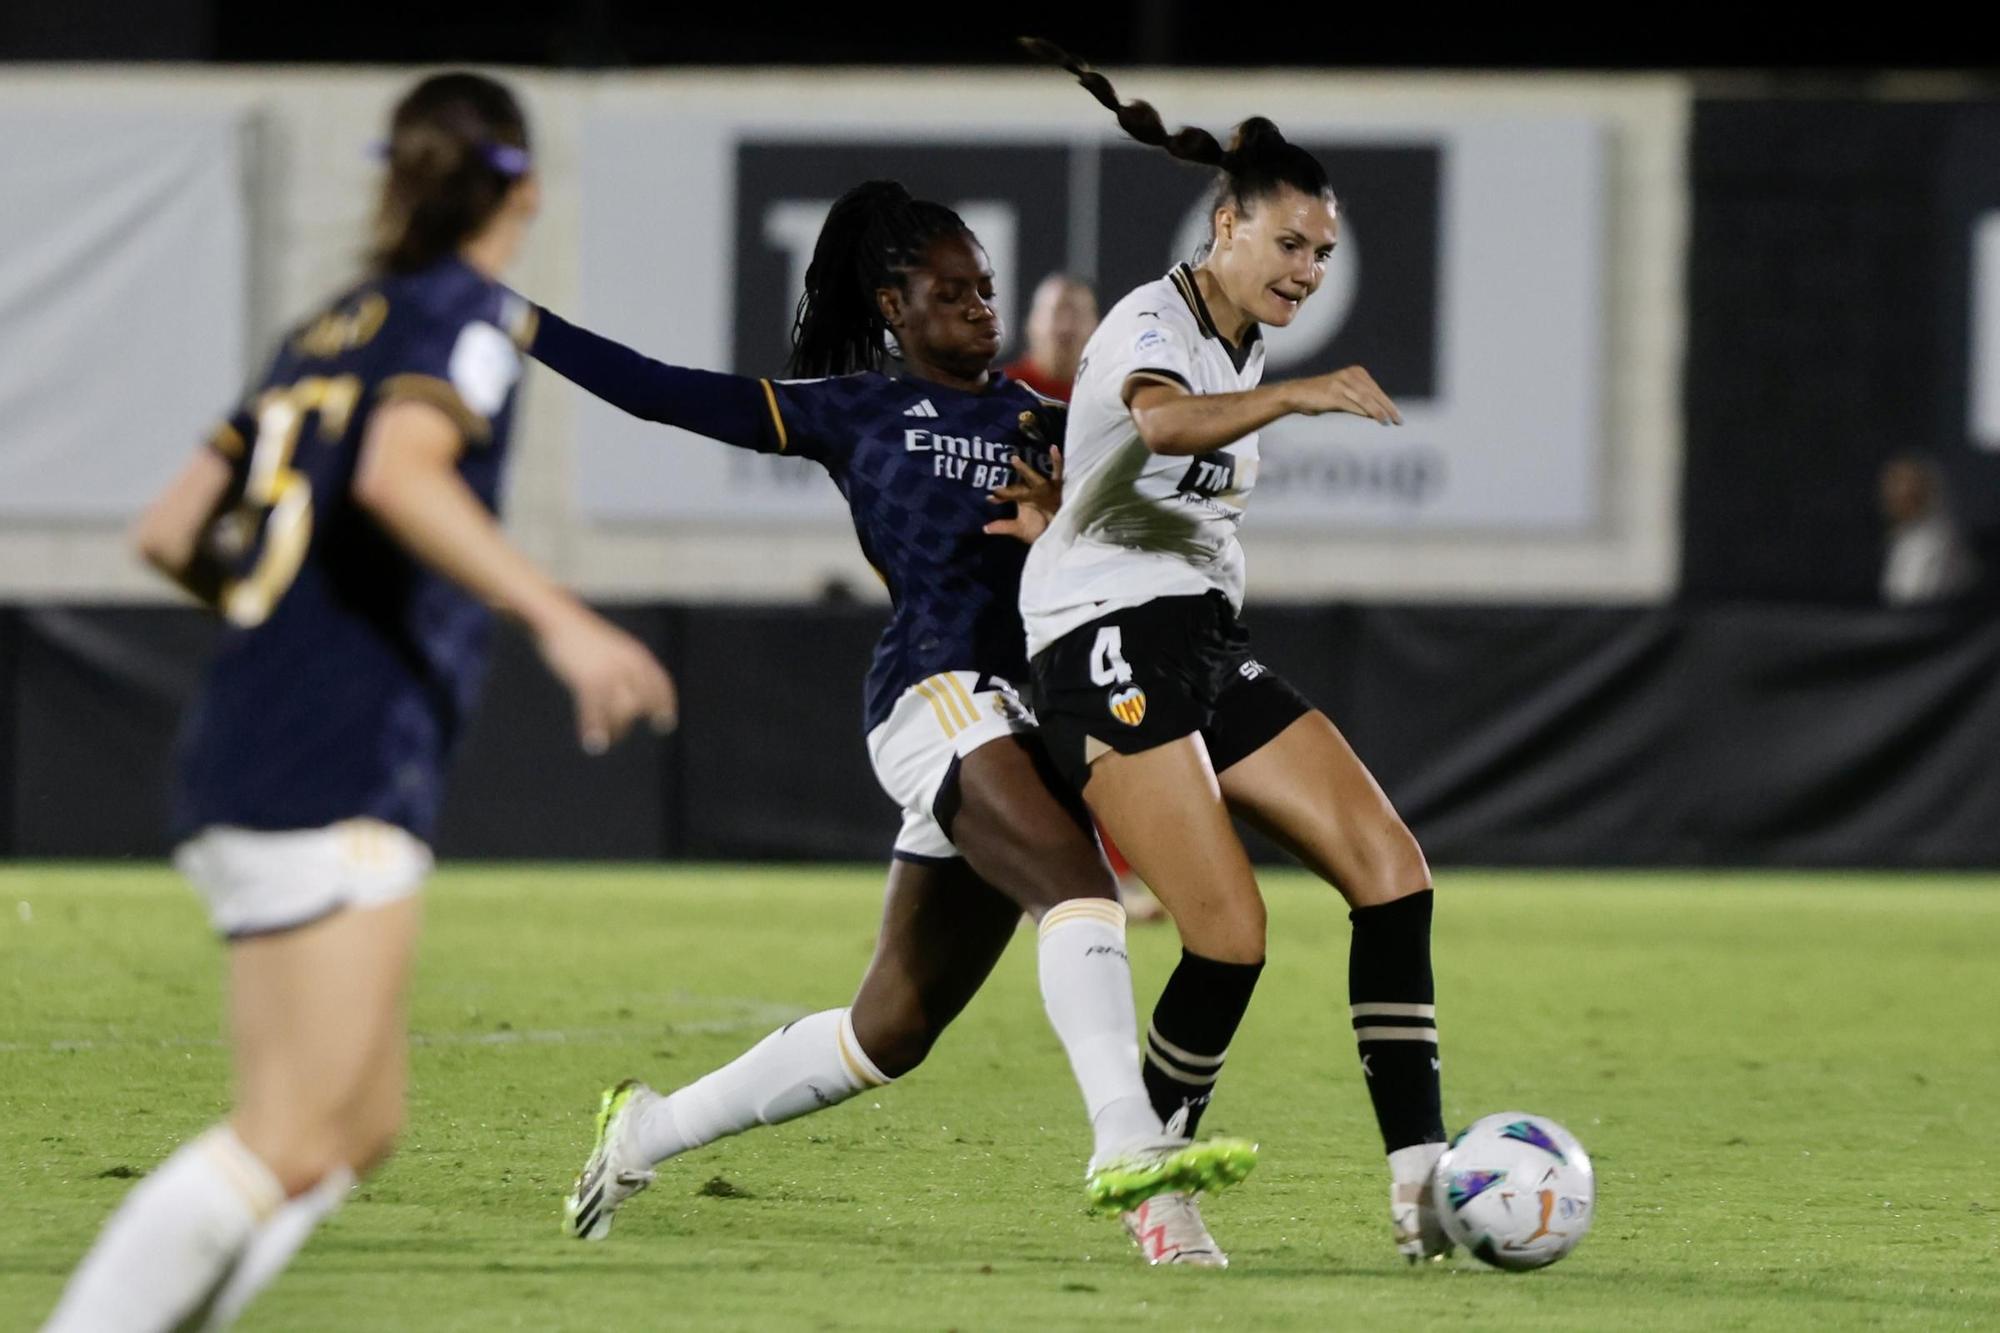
[(922, 409)]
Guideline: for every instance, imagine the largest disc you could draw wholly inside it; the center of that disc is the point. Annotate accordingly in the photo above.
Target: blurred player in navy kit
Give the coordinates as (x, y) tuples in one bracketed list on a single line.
[(988, 830), (343, 523)]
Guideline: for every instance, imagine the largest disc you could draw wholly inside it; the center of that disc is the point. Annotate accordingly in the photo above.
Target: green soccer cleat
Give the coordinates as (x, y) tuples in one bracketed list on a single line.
[(1122, 1182), (614, 1173)]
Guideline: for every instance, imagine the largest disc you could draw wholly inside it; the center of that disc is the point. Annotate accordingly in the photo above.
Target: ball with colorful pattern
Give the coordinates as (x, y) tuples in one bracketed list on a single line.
[(1516, 1190)]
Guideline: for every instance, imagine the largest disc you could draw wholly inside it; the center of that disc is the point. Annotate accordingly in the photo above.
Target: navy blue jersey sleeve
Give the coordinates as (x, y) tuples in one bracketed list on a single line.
[(820, 419), (733, 409), (464, 364)]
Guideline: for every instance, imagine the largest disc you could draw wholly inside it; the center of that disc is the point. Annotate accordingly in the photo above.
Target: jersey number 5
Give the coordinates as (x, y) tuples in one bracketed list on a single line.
[(1107, 658), (277, 497)]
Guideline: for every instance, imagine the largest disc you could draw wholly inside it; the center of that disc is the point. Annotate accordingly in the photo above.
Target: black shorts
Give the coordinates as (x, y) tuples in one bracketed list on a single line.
[(1153, 673)]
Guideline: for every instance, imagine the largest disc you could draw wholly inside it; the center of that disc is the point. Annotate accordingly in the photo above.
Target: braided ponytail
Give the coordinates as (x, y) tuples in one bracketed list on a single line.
[(1258, 162), (872, 234)]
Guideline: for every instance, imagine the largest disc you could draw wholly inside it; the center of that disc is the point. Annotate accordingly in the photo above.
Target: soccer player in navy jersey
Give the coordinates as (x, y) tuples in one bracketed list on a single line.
[(343, 523), (1150, 699), (921, 456)]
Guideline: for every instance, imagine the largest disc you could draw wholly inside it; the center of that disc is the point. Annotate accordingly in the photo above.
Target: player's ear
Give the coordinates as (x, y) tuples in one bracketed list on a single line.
[(1225, 226), (889, 300), (525, 196)]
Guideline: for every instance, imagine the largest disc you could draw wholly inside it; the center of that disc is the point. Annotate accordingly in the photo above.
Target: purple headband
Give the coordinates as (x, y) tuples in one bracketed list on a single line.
[(504, 158)]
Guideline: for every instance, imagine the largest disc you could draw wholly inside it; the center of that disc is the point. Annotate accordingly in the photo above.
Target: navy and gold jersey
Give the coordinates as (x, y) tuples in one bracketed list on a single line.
[(347, 667), (916, 462)]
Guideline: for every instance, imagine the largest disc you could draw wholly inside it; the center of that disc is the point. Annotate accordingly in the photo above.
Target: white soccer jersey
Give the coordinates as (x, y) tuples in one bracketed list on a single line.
[(1136, 525)]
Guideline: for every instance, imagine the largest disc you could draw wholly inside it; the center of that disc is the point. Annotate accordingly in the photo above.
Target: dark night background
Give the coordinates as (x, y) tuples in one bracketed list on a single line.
[(614, 34)]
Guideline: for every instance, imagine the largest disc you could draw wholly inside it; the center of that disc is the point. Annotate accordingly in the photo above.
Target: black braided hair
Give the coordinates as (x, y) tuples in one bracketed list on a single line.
[(873, 234), (1258, 162)]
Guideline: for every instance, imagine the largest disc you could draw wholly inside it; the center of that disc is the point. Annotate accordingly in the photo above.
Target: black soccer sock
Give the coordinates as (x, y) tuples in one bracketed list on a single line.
[(1393, 1004), (1192, 1026)]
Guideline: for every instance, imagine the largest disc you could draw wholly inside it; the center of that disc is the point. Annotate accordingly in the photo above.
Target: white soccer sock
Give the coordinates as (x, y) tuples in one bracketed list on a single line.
[(172, 1241), (1087, 990), (1413, 1165), (804, 1066), (274, 1243)]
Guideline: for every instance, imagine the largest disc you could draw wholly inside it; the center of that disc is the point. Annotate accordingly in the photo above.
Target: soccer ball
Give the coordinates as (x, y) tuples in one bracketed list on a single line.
[(1516, 1190)]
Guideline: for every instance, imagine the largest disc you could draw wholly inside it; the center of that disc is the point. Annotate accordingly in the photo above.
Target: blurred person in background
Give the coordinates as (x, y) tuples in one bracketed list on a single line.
[(343, 521), (1926, 558), (1061, 319)]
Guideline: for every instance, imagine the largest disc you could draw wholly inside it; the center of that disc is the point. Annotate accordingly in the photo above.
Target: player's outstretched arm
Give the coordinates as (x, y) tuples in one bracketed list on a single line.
[(408, 480), (1173, 421), (730, 408), (170, 535)]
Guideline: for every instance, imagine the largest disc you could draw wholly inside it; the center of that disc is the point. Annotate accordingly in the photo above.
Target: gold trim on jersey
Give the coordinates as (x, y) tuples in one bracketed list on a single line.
[(526, 326), (1183, 280), (342, 330), (226, 440), (440, 394), (777, 417)]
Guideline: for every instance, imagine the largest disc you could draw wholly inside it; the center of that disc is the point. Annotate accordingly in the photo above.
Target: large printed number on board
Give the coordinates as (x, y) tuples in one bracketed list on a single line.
[(277, 501), (1107, 658)]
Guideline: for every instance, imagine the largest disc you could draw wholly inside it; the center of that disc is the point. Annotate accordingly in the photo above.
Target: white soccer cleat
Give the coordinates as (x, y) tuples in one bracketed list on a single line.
[(614, 1172), (1419, 1233), (1168, 1230)]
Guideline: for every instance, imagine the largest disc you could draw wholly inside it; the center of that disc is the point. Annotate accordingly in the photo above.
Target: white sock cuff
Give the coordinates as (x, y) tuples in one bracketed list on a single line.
[(859, 1066), (244, 1171), (1083, 911)]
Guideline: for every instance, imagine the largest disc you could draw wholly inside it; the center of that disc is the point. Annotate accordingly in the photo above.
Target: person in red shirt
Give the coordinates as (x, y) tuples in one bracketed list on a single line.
[(1060, 321)]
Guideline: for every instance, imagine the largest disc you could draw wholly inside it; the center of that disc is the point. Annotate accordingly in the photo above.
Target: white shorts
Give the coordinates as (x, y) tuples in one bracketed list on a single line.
[(260, 883), (935, 724)]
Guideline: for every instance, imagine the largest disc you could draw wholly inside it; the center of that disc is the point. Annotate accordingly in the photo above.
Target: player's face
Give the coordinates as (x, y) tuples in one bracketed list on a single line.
[(945, 314), (1271, 258)]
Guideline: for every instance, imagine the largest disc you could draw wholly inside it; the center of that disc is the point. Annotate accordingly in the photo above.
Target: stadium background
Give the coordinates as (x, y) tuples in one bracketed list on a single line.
[(1657, 643)]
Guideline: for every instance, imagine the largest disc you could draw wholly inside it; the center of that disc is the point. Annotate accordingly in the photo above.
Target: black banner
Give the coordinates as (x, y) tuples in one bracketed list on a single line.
[(1830, 279), (1724, 735)]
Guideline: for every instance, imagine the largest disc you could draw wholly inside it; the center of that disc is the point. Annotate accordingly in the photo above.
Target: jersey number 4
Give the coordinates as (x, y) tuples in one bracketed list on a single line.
[(1107, 658), (277, 502)]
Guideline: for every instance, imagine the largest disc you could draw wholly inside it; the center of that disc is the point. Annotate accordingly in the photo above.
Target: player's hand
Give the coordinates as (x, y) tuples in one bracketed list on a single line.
[(1351, 390), (1035, 498), (612, 677)]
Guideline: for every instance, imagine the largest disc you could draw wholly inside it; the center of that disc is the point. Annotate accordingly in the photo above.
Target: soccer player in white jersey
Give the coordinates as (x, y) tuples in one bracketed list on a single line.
[(1149, 698)]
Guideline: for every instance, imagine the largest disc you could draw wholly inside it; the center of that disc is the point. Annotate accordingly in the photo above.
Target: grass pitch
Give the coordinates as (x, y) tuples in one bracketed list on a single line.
[(1789, 1085)]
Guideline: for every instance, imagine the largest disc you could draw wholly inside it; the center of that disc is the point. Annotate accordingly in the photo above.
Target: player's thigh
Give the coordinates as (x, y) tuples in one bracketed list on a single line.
[(943, 930), (1023, 830), (1310, 793), (1164, 809), (316, 1016)]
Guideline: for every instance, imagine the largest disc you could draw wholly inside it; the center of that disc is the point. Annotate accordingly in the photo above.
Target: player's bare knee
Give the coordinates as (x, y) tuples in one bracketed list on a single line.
[(1391, 866), (1236, 936)]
